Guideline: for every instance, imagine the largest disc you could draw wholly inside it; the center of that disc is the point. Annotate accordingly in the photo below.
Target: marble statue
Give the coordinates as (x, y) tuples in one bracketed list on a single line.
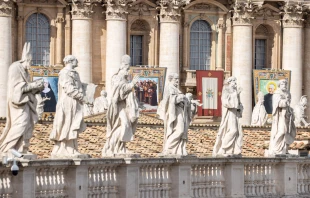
[(229, 137), (101, 103), (89, 92), (299, 112), (40, 104), (259, 115), (68, 121), (177, 111), (21, 105), (123, 112), (283, 130)]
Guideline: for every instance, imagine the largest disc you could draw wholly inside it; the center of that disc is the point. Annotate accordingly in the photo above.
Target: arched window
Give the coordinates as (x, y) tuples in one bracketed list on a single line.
[(200, 45), (38, 34)]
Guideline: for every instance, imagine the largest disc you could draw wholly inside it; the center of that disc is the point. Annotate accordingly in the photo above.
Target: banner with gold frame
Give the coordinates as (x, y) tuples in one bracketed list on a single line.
[(50, 77), (150, 88), (266, 82)]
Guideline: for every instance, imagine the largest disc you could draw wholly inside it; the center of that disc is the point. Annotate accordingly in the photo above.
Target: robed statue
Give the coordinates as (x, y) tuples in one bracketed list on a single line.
[(229, 137), (283, 130), (123, 111), (300, 114), (21, 105), (259, 114), (68, 121), (177, 111)]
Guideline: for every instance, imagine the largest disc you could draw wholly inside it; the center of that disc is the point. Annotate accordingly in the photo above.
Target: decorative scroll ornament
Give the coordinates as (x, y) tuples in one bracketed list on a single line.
[(243, 12), (82, 9), (6, 7), (170, 9), (117, 9), (293, 14)]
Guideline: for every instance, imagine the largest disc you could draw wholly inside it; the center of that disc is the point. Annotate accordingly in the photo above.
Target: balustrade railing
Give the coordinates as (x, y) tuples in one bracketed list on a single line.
[(303, 179), (6, 189)]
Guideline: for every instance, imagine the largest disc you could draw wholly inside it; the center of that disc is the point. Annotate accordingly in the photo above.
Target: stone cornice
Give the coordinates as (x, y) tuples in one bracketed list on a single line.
[(293, 14), (243, 12), (170, 9), (6, 7), (82, 9), (117, 9)]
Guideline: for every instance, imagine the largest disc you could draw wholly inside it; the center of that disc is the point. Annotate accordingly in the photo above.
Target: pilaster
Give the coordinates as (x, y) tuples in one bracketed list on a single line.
[(59, 24)]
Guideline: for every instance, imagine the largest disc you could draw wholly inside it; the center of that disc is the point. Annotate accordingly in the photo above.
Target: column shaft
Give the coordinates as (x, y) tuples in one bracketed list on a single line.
[(242, 67), (59, 47), (169, 46), (292, 60), (115, 48), (219, 49), (306, 77)]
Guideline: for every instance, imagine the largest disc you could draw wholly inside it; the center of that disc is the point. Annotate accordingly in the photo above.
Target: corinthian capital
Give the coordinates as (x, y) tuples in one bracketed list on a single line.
[(82, 9), (244, 12), (117, 9), (6, 7), (170, 9), (293, 14)]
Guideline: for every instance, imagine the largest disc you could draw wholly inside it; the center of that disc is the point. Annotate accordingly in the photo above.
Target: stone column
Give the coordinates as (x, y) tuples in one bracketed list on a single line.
[(6, 7), (219, 47), (306, 69), (59, 24), (20, 30), (116, 16), (292, 23), (242, 55), (169, 34), (82, 37)]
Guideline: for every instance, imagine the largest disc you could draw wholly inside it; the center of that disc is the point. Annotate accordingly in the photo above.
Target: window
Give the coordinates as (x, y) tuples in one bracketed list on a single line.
[(200, 45), (260, 53), (38, 34), (136, 49)]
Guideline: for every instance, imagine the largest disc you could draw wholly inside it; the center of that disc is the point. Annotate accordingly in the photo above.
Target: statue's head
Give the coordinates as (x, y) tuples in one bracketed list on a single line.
[(232, 82), (260, 97), (103, 93), (71, 60), (170, 77), (175, 79), (124, 69), (303, 101), (26, 56), (282, 84), (189, 96)]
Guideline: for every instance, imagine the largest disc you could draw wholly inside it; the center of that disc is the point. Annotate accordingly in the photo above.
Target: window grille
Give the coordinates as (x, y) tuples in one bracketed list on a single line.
[(38, 34), (260, 53), (200, 45), (136, 47)]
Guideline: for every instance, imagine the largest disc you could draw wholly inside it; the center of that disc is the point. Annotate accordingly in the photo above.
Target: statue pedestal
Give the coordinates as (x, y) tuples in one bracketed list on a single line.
[(286, 156), (77, 156), (29, 156), (163, 155), (122, 155)]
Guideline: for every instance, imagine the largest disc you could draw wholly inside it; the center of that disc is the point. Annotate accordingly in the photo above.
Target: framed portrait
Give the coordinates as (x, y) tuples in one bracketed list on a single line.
[(50, 91), (150, 88), (266, 81)]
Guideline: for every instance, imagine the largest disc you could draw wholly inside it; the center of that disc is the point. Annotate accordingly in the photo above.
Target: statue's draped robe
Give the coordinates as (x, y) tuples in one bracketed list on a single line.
[(68, 121), (283, 130), (21, 111), (177, 118), (299, 112), (259, 115), (122, 118), (100, 105), (229, 137)]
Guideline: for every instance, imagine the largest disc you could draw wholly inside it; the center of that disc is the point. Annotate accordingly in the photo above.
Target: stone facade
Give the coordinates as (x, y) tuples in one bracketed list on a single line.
[(98, 33)]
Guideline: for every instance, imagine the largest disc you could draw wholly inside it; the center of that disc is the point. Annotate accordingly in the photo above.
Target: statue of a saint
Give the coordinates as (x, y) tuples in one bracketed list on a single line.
[(21, 105), (259, 115), (177, 111), (283, 130), (40, 104), (230, 134), (101, 103), (299, 112), (68, 121), (123, 111)]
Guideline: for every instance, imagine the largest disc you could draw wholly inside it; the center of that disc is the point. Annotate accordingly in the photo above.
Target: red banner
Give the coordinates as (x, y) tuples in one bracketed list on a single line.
[(209, 92)]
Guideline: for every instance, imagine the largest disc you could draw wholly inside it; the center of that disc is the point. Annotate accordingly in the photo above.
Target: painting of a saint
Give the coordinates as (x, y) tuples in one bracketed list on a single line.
[(50, 91)]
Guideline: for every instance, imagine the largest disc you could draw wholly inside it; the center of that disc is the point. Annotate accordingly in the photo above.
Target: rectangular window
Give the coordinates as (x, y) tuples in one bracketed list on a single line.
[(260, 53), (136, 48)]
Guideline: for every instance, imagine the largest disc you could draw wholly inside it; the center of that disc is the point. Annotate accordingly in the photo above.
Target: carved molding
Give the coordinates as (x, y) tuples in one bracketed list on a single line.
[(293, 14), (170, 10), (6, 7), (117, 9), (140, 9), (243, 12), (82, 9), (140, 25), (267, 13)]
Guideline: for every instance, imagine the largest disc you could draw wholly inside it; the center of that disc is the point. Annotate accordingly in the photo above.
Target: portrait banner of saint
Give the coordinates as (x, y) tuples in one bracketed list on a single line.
[(209, 90), (266, 82)]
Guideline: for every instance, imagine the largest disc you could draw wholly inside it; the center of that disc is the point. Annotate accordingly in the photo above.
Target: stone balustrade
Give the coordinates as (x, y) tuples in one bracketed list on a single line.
[(159, 178)]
